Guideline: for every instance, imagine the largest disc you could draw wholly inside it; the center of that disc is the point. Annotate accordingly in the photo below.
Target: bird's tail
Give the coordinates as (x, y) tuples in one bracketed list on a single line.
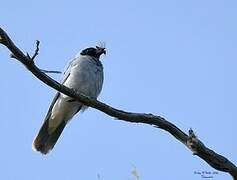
[(45, 139)]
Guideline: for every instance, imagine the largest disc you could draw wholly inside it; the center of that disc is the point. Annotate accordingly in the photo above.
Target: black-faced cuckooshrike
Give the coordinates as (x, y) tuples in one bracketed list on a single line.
[(84, 74)]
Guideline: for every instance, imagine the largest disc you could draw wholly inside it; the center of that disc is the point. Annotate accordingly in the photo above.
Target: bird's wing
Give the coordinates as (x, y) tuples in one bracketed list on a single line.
[(51, 129), (66, 74), (67, 70)]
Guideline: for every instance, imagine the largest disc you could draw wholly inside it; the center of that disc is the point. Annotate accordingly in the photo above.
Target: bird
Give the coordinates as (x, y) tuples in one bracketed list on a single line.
[(83, 74)]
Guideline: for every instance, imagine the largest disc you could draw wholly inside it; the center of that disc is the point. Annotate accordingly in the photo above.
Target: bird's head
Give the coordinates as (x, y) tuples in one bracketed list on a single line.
[(94, 52)]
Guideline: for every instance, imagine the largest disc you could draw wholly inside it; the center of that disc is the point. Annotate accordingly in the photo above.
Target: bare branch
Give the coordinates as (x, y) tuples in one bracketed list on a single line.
[(191, 141)]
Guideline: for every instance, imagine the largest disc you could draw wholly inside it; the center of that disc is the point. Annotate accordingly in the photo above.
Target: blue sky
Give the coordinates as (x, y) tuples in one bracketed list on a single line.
[(171, 58)]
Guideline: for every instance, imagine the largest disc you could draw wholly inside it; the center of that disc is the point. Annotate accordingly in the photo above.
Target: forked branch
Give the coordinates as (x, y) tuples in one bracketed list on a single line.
[(215, 160)]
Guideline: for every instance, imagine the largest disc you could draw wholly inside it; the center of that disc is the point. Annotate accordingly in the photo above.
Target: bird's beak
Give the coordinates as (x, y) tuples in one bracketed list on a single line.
[(104, 51), (101, 50)]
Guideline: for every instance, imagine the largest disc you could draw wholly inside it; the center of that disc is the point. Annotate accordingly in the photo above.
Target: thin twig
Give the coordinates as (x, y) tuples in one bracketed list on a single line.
[(36, 50), (13, 56), (49, 71), (191, 141)]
